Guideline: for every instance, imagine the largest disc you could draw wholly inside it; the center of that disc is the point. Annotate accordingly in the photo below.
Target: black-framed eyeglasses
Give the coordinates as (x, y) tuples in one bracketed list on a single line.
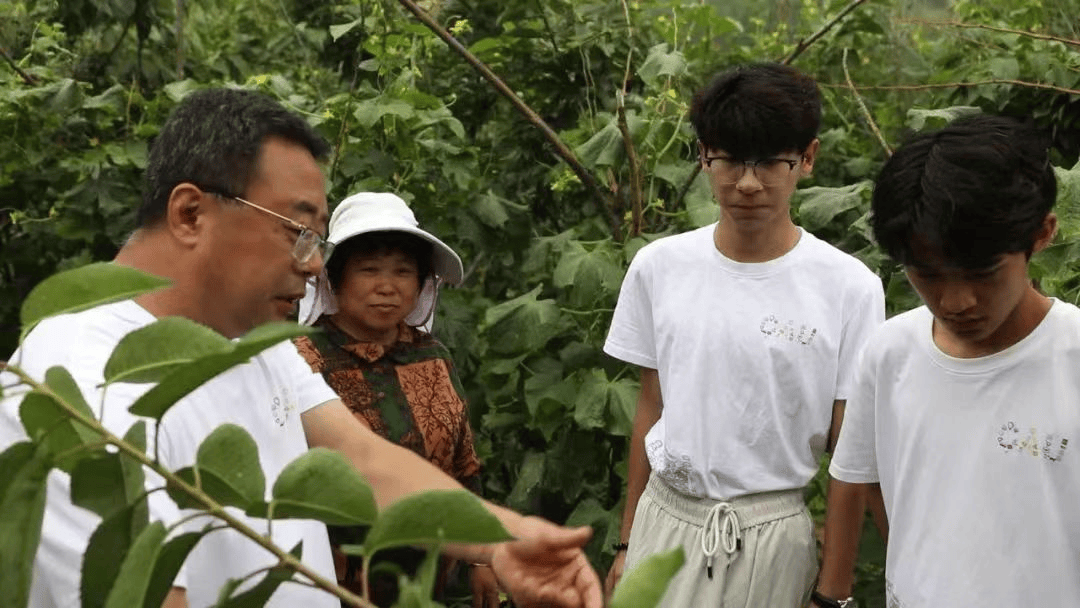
[(307, 240), (768, 171)]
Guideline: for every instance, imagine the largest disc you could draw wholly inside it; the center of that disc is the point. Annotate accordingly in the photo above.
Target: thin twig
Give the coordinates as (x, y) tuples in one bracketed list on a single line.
[(862, 106), (992, 28), (635, 170), (803, 44), (207, 503), (568, 155), (686, 186), (950, 85), (628, 141), (179, 33), (547, 26), (27, 78)]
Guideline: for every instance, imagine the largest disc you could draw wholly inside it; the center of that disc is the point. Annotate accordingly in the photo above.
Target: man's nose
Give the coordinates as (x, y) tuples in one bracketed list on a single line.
[(749, 181), (956, 297)]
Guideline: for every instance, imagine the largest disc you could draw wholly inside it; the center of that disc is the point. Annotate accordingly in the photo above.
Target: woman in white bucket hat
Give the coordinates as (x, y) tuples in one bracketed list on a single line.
[(374, 302)]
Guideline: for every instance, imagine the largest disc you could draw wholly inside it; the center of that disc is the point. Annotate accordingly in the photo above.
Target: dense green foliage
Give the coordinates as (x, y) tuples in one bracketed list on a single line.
[(88, 83)]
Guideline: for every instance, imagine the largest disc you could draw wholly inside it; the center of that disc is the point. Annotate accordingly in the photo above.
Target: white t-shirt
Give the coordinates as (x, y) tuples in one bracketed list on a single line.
[(264, 396), (977, 460), (750, 357)]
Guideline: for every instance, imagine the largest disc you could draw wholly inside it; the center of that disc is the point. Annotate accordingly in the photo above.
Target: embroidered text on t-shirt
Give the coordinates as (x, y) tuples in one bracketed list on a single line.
[(1051, 446), (772, 327)]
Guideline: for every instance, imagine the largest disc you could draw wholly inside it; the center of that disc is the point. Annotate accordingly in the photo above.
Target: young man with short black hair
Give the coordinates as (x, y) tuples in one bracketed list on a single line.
[(746, 333), (964, 409)]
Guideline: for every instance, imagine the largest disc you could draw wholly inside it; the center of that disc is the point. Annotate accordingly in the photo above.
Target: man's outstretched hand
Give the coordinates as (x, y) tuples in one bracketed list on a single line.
[(546, 568)]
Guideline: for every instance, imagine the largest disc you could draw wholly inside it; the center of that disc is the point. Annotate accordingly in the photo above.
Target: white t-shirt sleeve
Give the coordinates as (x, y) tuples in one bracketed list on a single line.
[(863, 313), (855, 457), (631, 337)]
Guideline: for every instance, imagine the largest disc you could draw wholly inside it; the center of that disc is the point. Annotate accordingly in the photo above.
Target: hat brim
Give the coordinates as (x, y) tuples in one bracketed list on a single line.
[(445, 261)]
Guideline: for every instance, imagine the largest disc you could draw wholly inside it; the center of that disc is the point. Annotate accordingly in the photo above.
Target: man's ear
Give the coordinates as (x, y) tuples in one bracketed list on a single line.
[(807, 166), (184, 215), (1047, 232)]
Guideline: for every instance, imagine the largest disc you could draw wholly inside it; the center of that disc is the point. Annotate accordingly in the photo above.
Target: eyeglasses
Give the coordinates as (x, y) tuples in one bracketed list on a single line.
[(307, 240), (768, 171)]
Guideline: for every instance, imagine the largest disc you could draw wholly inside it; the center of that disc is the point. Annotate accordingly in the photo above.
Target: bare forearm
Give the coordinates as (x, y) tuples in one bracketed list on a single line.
[(177, 598), (394, 471), (648, 411), (843, 526), (391, 470), (876, 503)]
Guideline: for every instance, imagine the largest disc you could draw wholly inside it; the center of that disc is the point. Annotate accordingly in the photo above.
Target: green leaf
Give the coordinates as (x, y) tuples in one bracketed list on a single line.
[(918, 119), (181, 89), (435, 517), (187, 377), (700, 205), (369, 111), (662, 63), (151, 352), (82, 288), (258, 595), (604, 148), (321, 484), (523, 324), (491, 210), (820, 205), (590, 275), (105, 553), (591, 400), (167, 566), (1068, 202), (528, 480), (1004, 68), (228, 470), (550, 389), (135, 573), (47, 422), (337, 31), (24, 469), (643, 586), (109, 482)]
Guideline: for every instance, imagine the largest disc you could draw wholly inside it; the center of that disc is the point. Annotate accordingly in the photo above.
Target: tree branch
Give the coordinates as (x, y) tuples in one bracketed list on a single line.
[(686, 186), (992, 28), (27, 78), (950, 85), (628, 141), (803, 44), (586, 178), (862, 106), (635, 169)]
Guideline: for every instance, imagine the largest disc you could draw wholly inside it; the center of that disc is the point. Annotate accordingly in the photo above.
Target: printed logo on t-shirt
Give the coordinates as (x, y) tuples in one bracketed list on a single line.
[(774, 328), (676, 471), (1049, 446), (283, 405)]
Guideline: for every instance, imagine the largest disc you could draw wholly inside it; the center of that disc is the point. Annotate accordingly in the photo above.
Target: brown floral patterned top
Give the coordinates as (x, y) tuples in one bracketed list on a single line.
[(408, 392)]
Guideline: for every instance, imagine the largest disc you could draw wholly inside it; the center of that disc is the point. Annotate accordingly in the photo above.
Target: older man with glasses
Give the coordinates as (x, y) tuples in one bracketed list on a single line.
[(234, 214)]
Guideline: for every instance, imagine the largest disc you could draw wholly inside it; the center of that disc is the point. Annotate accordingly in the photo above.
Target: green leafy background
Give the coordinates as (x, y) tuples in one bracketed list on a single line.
[(85, 85)]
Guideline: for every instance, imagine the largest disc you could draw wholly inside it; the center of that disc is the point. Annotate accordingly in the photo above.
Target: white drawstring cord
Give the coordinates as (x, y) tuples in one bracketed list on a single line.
[(717, 530)]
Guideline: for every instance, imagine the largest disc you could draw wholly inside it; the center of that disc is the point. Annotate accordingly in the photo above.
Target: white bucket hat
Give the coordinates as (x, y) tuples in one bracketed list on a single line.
[(365, 212)]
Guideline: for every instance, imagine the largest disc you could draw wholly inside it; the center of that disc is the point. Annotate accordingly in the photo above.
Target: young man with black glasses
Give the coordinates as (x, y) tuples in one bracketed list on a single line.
[(746, 333)]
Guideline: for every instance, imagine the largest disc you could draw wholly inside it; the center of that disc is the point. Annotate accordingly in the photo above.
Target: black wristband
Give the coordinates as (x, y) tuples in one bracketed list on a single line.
[(620, 547), (827, 602)]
